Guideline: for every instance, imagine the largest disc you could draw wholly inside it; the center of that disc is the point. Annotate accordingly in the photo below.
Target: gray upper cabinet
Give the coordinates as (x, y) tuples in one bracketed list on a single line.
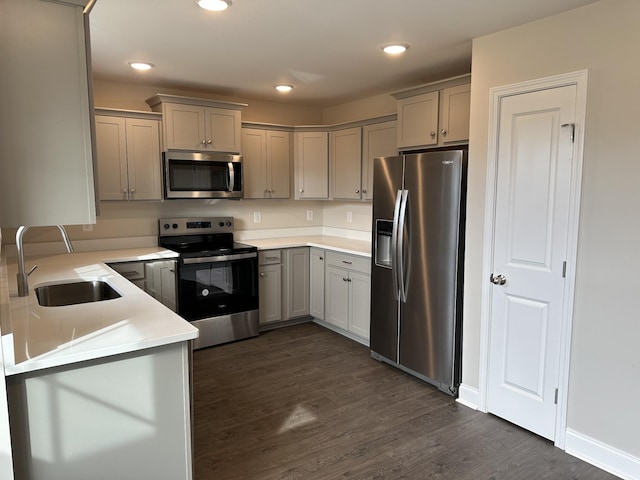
[(129, 159), (345, 156), (311, 154), (378, 140), (266, 159), (434, 115), (197, 124), (46, 158)]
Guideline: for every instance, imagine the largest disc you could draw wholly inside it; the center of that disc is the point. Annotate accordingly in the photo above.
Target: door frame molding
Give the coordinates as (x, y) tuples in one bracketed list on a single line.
[(580, 80)]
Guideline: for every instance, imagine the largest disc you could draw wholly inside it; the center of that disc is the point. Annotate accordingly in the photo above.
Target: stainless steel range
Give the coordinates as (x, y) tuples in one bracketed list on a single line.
[(217, 278)]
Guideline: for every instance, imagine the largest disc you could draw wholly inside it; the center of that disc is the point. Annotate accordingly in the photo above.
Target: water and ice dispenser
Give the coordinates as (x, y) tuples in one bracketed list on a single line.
[(382, 247)]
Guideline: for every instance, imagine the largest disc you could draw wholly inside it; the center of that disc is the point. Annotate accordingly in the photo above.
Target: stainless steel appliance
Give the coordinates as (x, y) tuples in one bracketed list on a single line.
[(202, 175), (217, 278), (417, 264)]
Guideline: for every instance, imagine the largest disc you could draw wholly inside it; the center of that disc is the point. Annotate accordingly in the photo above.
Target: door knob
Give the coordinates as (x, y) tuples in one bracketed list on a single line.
[(498, 279)]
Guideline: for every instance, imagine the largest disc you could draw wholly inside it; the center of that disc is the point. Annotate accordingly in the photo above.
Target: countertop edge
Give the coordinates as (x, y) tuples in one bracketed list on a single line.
[(176, 329)]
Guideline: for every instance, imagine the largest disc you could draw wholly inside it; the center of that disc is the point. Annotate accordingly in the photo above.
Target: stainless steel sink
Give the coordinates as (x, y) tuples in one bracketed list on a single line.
[(61, 294)]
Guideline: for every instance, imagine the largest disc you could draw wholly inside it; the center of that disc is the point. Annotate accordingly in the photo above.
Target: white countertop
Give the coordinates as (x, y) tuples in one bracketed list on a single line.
[(338, 244), (36, 337)]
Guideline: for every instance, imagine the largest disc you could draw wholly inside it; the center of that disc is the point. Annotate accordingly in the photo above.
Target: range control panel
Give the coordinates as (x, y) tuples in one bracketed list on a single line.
[(195, 226)]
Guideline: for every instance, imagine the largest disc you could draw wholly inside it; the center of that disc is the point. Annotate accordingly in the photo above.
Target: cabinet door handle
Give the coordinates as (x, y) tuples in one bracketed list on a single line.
[(364, 191), (208, 142), (433, 134), (204, 142), (272, 258), (129, 273), (348, 263), (302, 190), (443, 132), (320, 258), (345, 279), (262, 274)]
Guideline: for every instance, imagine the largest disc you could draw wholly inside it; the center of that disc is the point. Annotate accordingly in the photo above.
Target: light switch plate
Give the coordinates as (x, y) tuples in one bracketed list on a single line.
[(257, 217), (309, 215)]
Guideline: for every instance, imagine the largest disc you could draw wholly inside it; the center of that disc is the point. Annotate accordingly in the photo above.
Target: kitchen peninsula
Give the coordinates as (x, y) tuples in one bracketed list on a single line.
[(99, 389)]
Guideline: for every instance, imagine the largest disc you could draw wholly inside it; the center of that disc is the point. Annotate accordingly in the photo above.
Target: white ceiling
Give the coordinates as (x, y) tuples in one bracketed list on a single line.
[(328, 49)]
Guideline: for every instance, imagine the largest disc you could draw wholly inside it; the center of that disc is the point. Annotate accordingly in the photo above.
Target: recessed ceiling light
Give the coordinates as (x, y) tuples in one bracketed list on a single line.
[(141, 65), (395, 49), (214, 5), (284, 88)]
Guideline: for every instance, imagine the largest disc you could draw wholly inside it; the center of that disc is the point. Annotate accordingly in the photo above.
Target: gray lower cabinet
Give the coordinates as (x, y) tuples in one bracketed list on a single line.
[(124, 416), (296, 291), (284, 284), (316, 287), (157, 278), (270, 286), (347, 293)]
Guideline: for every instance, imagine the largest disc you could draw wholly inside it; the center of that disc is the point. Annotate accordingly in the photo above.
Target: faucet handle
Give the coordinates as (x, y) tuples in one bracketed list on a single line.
[(32, 269)]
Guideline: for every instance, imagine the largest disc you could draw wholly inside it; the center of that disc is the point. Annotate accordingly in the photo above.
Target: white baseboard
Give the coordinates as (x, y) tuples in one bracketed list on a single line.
[(468, 396), (603, 456)]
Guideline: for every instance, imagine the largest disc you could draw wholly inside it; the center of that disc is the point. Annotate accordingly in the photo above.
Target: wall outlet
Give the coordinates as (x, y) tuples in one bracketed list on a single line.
[(349, 216), (309, 215), (87, 228), (257, 217)]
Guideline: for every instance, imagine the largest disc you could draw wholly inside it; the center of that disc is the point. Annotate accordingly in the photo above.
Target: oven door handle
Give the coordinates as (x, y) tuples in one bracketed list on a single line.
[(219, 258)]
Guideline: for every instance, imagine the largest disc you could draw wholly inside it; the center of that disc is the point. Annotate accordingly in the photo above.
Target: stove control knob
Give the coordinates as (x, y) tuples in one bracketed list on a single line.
[(221, 224), (166, 226), (228, 224), (175, 225)]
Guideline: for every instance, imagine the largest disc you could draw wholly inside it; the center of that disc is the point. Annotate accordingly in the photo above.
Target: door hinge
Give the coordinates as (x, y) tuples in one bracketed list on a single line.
[(555, 401), (564, 269)]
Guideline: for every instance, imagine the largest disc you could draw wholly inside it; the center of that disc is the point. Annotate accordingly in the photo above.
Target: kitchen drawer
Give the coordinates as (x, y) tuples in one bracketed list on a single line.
[(269, 257), (350, 262), (130, 270)]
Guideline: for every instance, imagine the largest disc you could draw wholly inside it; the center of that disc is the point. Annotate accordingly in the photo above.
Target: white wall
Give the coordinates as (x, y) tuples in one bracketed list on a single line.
[(605, 356)]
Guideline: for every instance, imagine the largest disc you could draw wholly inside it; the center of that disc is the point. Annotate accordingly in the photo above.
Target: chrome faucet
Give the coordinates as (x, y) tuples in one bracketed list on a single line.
[(23, 276)]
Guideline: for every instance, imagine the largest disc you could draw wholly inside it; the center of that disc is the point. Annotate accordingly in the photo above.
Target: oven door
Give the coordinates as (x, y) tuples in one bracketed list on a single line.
[(220, 285)]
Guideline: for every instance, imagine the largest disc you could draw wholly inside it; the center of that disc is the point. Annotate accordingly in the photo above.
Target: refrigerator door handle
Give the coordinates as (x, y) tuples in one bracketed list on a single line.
[(400, 259), (394, 246)]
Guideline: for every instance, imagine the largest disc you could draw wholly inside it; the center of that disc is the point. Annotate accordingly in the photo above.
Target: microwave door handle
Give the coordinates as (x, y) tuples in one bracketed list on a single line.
[(231, 177)]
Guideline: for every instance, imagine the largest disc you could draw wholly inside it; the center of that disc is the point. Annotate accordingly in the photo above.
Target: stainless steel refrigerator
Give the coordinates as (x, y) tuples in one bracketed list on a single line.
[(417, 264)]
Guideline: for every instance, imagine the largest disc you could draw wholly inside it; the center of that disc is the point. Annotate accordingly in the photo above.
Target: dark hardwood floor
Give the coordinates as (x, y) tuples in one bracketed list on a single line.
[(302, 402)]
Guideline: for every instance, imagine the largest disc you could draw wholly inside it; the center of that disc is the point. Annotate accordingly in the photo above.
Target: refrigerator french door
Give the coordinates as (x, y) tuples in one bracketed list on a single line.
[(417, 264)]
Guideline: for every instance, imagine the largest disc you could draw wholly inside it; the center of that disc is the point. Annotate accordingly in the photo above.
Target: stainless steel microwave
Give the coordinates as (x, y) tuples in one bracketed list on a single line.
[(202, 175)]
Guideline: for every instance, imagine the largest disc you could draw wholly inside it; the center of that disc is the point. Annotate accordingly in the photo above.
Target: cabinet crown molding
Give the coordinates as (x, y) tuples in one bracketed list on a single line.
[(431, 87), (115, 112), (158, 98)]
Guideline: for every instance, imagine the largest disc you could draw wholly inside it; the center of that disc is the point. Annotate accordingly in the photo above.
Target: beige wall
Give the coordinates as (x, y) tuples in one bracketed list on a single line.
[(605, 353), (132, 96), (370, 107)]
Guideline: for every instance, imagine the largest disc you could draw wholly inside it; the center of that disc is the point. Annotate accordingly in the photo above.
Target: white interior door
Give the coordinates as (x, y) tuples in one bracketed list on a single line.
[(533, 192)]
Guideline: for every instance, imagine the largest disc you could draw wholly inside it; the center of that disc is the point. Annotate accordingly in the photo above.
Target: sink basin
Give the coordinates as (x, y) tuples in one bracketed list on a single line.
[(61, 294)]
